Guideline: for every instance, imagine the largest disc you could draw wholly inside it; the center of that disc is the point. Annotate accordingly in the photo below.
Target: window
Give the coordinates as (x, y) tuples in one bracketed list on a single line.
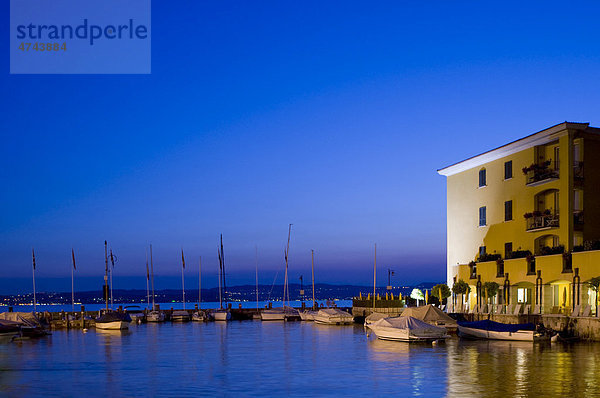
[(508, 210), (482, 250), (522, 295), (482, 179), (507, 249), (508, 170), (482, 218)]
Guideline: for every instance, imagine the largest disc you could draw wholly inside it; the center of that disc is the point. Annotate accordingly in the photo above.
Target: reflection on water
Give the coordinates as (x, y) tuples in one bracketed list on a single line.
[(280, 358)]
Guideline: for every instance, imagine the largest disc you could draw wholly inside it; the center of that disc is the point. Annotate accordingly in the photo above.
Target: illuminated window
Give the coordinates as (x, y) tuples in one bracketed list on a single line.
[(522, 295)]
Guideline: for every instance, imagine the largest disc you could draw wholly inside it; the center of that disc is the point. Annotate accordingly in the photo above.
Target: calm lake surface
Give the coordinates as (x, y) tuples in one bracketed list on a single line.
[(252, 358)]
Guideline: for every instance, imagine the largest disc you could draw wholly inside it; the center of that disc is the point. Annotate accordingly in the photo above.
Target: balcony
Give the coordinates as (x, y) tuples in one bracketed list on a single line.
[(538, 221), (541, 173)]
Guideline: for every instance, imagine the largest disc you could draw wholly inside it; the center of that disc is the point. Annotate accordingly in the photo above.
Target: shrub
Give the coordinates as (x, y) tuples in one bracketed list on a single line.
[(461, 287)]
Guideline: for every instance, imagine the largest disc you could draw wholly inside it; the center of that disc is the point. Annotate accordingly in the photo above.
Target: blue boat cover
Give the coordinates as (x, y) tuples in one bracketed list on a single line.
[(497, 327)]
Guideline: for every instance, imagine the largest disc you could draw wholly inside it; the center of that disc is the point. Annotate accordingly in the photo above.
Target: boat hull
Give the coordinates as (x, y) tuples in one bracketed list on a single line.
[(222, 316), (520, 335), (155, 317), (114, 325), (396, 334), (334, 320)]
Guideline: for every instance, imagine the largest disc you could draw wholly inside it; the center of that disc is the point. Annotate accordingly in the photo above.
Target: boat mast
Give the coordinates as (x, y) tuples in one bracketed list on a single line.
[(112, 271), (182, 278), (106, 273), (374, 276), (256, 263), (73, 281), (152, 274), (200, 282), (286, 289), (312, 256), (33, 259), (147, 281), (223, 266), (220, 277)]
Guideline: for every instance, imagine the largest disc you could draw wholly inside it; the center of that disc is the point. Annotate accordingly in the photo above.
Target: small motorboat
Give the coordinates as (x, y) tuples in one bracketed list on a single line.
[(28, 323), (406, 328), (113, 320), (333, 316), (308, 315), (222, 315), (279, 314), (135, 312), (155, 316), (491, 330), (180, 316), (199, 316), (9, 330), (374, 317)]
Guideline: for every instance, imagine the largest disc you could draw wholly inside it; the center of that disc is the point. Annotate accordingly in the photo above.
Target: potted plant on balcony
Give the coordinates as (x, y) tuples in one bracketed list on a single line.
[(547, 212), (537, 213), (528, 215)]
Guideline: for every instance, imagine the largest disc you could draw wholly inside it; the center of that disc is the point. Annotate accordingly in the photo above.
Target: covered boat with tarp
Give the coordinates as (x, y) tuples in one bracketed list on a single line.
[(406, 328), (333, 316), (491, 330), (431, 315), (28, 322)]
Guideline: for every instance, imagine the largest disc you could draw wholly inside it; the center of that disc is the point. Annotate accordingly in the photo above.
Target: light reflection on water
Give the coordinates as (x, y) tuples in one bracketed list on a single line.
[(299, 359)]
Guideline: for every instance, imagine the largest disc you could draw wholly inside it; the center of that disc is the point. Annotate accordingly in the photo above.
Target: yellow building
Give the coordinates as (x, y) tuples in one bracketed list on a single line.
[(515, 216)]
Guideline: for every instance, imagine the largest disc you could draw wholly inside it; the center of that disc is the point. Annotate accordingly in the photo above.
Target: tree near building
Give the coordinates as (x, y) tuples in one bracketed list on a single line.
[(461, 287), (441, 291), (490, 289)]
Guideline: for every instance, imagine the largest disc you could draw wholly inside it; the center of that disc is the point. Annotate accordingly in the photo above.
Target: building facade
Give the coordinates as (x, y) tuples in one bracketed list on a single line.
[(527, 216)]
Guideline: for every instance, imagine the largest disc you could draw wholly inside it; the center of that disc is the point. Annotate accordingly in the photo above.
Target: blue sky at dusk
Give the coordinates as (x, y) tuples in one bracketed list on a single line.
[(331, 116)]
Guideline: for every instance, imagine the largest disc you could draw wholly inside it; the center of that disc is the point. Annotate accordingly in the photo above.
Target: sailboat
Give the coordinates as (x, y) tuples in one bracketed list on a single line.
[(111, 320), (222, 314), (181, 315), (199, 316), (309, 315), (154, 315), (284, 312)]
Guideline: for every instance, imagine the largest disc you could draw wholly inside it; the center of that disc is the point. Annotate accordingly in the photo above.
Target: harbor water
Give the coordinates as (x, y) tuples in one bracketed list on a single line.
[(253, 358)]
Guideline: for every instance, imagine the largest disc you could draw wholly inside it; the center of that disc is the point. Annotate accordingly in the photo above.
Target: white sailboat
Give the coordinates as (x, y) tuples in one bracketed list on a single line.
[(309, 315), (111, 320), (222, 314), (154, 315), (284, 312), (199, 316)]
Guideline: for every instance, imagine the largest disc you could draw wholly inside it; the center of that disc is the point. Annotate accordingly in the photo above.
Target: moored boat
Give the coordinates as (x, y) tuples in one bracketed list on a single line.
[(279, 314), (155, 316), (333, 316), (9, 330), (113, 320), (180, 316), (308, 315), (221, 315), (491, 330), (406, 329)]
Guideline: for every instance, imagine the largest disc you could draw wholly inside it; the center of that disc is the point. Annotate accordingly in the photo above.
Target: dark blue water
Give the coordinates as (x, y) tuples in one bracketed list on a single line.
[(253, 358)]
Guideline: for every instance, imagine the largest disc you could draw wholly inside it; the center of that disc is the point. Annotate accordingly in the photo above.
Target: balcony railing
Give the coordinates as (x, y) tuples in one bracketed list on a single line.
[(538, 173), (543, 221)]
